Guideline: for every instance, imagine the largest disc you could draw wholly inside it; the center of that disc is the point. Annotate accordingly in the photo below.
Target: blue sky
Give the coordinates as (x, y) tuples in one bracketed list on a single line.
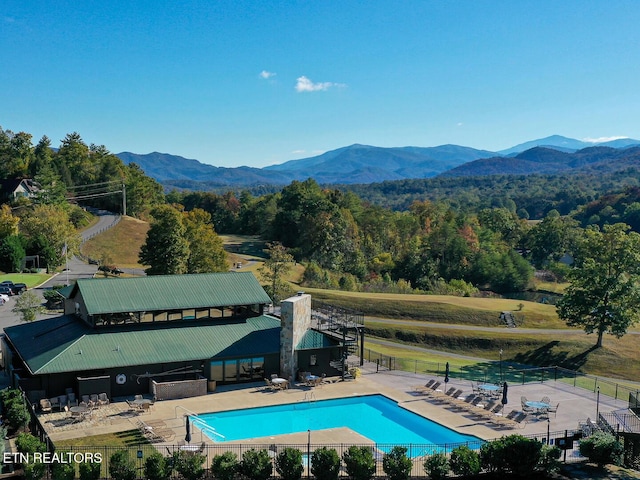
[(257, 83)]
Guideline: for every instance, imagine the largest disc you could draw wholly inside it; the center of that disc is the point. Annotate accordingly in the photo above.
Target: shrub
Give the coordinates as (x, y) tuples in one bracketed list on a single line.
[(325, 464), (121, 466), (17, 415), (437, 466), (89, 470), (15, 408), (156, 467), (602, 448), (492, 457), (34, 471), (522, 455), (225, 466), (359, 462), (188, 465), (464, 461), (256, 464), (289, 464), (550, 459), (63, 471), (27, 443), (396, 464), (514, 453)]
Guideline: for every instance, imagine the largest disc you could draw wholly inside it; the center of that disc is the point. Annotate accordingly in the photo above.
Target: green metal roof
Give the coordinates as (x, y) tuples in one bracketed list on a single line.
[(313, 339), (66, 344), (170, 292)]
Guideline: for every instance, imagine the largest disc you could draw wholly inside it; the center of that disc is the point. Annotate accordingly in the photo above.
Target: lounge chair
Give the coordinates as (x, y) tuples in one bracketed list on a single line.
[(485, 411), (454, 396), (103, 399), (422, 388), (45, 405), (554, 409), (497, 410), (474, 404), (546, 400), (506, 420), (441, 394), (435, 389), (461, 403), (55, 403)]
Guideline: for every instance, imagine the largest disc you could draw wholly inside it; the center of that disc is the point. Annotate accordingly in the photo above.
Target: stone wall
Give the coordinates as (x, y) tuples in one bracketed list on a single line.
[(295, 321), (180, 389)]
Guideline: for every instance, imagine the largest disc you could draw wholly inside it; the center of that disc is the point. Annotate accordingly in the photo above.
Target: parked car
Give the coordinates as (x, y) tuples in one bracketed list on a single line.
[(4, 290), (19, 288)]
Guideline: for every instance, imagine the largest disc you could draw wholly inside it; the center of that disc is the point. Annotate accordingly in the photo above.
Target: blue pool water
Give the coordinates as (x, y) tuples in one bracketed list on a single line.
[(374, 416)]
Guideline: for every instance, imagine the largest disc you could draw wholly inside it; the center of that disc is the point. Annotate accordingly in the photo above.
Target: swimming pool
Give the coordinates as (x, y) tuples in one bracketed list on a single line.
[(376, 417)]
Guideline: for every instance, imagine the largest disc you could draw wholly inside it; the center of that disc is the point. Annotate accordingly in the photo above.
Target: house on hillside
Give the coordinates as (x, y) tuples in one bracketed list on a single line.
[(170, 336), (12, 189)]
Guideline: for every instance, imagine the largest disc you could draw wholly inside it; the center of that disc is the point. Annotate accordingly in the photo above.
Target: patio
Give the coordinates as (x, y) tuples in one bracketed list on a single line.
[(575, 405)]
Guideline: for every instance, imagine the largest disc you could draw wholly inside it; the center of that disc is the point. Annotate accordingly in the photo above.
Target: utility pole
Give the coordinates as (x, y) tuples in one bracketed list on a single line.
[(124, 200)]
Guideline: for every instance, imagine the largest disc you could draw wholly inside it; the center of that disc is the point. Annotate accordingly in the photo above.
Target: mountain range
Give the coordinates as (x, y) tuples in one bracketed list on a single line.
[(363, 164)]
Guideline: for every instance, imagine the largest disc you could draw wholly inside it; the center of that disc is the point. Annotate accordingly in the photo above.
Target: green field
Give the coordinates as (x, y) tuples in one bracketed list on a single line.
[(618, 358), (29, 279)]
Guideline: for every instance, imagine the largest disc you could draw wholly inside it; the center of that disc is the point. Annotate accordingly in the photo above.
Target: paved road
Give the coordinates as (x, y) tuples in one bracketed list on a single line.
[(75, 269)]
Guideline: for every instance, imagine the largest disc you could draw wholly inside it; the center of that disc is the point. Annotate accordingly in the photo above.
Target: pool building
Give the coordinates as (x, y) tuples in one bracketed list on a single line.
[(170, 336)]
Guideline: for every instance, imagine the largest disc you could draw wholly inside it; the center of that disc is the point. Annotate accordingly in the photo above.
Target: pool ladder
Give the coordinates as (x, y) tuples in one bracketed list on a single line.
[(309, 397), (198, 422)]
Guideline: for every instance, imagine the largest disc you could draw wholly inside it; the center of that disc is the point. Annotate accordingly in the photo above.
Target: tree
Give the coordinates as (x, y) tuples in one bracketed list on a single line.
[(604, 291), (48, 230), (206, 251), (166, 249), (8, 222), (143, 193), (275, 268), (28, 305)]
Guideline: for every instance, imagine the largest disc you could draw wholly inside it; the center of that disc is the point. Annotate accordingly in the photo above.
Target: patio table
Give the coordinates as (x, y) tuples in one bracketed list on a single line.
[(539, 407), (489, 389), (280, 382)]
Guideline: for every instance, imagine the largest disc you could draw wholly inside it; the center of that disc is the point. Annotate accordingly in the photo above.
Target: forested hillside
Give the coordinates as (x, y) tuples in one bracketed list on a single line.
[(443, 235)]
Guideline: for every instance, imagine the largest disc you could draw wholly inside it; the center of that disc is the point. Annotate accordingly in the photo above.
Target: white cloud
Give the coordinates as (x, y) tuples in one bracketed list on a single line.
[(459, 124), (304, 84), (298, 152), (266, 74), (603, 139)]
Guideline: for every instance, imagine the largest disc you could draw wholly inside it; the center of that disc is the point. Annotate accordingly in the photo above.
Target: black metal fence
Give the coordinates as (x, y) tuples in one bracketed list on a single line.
[(417, 452), (497, 371)]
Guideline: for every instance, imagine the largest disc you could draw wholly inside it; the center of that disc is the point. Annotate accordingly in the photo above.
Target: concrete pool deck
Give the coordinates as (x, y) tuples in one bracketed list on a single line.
[(575, 405)]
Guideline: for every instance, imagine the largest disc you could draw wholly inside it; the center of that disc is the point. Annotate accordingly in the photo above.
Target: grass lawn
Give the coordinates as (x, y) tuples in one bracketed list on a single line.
[(115, 440), (120, 244), (29, 279), (617, 358), (443, 308)]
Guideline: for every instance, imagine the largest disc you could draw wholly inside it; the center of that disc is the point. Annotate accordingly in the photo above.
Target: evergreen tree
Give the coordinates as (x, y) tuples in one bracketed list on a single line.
[(166, 249)]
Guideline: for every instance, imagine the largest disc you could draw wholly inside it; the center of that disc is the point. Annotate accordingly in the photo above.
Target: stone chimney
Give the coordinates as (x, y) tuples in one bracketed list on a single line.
[(295, 320)]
